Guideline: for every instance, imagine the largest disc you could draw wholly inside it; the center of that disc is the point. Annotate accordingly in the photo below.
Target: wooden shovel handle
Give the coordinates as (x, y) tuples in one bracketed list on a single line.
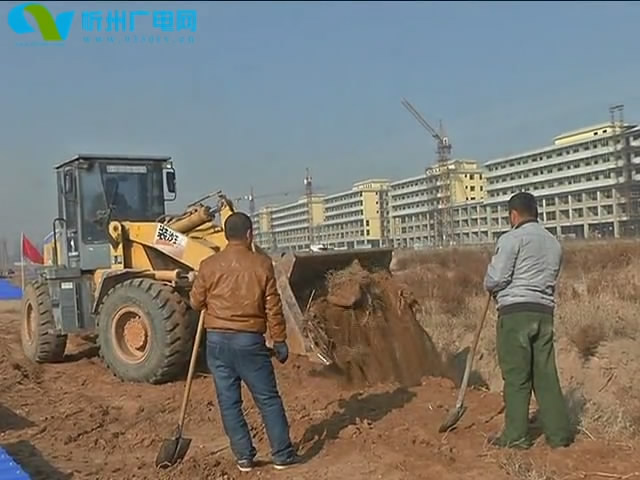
[(472, 354), (192, 367)]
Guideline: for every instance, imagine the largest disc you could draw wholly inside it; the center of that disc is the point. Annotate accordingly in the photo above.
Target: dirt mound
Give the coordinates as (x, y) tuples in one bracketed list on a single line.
[(368, 328)]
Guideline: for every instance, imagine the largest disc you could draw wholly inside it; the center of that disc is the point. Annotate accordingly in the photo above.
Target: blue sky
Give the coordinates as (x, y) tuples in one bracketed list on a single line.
[(268, 89)]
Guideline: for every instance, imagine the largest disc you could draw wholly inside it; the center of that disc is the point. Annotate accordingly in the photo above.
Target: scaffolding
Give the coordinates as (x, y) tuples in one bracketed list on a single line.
[(443, 212), (308, 190), (630, 187)]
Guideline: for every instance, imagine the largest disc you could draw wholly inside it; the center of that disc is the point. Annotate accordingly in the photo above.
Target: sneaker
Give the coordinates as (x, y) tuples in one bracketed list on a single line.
[(289, 462), (245, 465)]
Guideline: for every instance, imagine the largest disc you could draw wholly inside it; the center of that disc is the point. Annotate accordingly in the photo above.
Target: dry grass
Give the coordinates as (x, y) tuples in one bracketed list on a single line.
[(597, 322), (587, 338), (520, 467)]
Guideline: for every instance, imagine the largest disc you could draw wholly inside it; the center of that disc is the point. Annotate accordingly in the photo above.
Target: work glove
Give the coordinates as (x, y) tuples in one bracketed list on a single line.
[(281, 351)]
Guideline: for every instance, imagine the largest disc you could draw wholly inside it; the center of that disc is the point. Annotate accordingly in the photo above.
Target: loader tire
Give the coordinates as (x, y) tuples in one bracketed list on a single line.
[(40, 339), (145, 332)]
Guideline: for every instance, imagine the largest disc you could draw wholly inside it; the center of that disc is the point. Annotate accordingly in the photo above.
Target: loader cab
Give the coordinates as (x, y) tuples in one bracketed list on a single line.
[(96, 189)]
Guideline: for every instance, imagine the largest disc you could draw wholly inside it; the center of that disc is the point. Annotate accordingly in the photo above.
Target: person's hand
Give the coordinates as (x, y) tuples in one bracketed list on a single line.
[(281, 351)]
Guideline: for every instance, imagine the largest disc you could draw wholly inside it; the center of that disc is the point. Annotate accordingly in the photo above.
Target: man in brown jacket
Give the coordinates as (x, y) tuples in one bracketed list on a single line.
[(237, 287)]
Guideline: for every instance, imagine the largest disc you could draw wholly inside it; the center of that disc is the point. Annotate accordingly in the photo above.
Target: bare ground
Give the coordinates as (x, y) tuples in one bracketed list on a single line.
[(76, 421)]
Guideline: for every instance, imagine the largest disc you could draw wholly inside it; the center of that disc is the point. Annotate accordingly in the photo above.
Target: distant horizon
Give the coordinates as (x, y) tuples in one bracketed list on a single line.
[(14, 252)]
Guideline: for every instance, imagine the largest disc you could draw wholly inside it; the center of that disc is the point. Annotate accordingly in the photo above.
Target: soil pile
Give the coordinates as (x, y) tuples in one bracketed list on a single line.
[(365, 323)]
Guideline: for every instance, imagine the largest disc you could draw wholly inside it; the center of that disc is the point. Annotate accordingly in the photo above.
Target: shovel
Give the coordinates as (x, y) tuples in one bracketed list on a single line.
[(457, 412), (173, 450)]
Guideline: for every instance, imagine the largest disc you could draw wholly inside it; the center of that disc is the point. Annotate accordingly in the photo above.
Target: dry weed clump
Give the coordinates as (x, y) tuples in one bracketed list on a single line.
[(444, 280), (587, 338), (596, 321), (519, 467), (612, 421)]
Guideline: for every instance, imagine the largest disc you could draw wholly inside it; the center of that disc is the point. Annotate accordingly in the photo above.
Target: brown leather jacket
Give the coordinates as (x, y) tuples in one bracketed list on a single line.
[(238, 289)]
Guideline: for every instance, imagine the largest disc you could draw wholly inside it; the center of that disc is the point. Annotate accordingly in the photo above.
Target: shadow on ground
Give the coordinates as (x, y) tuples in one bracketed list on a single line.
[(86, 353), (575, 401), (86, 348), (454, 370), (32, 462), (372, 408), (10, 420)]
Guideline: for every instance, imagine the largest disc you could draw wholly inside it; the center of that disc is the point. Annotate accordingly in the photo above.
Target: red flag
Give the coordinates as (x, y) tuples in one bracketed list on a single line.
[(30, 251)]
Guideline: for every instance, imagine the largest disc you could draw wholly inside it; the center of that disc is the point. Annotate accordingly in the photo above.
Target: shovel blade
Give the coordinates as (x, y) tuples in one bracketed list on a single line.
[(452, 419), (172, 451)]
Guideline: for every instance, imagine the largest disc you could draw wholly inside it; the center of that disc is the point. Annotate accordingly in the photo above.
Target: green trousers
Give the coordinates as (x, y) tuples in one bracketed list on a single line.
[(527, 361)]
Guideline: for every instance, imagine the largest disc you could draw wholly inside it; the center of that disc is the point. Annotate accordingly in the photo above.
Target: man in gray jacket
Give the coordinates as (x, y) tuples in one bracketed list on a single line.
[(522, 278)]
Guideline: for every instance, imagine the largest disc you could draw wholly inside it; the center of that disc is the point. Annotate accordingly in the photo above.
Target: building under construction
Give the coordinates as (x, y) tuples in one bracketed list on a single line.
[(587, 183)]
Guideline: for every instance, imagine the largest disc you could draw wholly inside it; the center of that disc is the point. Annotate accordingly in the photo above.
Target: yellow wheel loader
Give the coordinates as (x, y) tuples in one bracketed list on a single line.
[(118, 266)]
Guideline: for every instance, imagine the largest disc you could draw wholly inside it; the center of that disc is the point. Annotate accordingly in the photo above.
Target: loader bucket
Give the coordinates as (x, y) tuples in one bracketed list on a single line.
[(300, 275)]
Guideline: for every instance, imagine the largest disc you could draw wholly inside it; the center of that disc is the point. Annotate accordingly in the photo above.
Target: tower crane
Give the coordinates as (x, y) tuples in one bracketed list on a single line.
[(307, 192), (251, 197), (444, 217)]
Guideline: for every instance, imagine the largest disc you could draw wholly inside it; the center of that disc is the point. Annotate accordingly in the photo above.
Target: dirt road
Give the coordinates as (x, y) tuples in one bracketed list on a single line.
[(76, 421)]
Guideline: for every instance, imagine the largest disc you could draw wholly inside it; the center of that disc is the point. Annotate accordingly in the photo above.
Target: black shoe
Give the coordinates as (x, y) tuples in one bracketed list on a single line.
[(245, 465), (290, 462), (561, 444), (497, 440)]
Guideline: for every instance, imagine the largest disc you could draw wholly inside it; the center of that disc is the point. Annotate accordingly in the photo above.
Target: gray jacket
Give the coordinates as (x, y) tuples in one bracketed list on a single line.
[(524, 269)]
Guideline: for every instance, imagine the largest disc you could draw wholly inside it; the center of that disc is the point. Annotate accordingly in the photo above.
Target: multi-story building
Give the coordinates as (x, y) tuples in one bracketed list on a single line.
[(290, 226), (416, 203), (262, 230), (582, 182), (356, 218), (587, 183)]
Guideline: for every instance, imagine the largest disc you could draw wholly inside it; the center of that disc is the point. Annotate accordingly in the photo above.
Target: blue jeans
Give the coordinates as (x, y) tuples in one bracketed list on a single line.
[(233, 357)]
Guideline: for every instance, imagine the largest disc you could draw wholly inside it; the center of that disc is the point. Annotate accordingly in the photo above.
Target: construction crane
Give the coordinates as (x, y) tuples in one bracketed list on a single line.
[(444, 217), (308, 191), (5, 268), (251, 198)]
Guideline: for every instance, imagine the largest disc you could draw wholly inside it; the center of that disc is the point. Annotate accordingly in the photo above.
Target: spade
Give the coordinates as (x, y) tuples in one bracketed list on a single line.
[(458, 411), (174, 449)]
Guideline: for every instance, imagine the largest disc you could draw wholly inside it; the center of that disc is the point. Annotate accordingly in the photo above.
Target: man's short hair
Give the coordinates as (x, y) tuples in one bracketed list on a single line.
[(237, 226), (525, 204)]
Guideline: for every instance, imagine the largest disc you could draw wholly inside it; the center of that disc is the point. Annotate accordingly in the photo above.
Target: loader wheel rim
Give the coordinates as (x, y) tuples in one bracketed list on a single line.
[(29, 322), (131, 332)]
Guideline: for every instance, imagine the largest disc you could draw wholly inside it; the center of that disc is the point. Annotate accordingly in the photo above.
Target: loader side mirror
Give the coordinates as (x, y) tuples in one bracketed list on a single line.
[(68, 182), (170, 184)]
